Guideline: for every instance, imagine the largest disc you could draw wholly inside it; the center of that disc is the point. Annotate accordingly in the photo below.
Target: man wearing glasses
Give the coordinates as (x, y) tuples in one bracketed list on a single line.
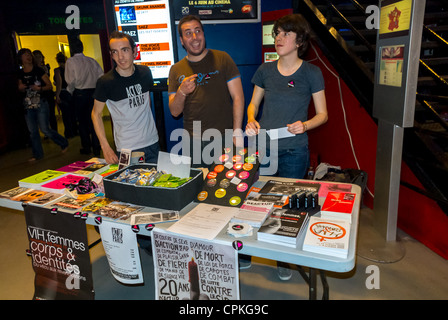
[(125, 89), (205, 87)]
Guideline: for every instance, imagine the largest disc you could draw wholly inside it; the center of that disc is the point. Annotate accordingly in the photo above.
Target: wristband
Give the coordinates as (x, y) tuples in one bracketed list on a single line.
[(305, 127), (182, 92)]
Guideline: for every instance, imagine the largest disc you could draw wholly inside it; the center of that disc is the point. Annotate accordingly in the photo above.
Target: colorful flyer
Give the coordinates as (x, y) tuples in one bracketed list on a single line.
[(391, 66)]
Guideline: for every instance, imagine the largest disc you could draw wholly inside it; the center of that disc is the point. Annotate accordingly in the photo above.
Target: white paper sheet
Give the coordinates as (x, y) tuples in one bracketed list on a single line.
[(204, 221), (178, 166), (279, 133)]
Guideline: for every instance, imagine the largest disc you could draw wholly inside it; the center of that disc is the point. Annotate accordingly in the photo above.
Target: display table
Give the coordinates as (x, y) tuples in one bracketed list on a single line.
[(317, 263)]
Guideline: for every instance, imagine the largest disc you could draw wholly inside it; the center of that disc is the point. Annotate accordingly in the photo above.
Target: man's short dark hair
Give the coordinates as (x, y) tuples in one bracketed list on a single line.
[(188, 19), (122, 35), (76, 46)]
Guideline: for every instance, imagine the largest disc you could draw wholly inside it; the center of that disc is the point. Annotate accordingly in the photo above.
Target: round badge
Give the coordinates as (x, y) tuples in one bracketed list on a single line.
[(211, 175), (220, 193), (237, 166), (242, 187), (211, 183), (234, 201), (244, 175), (224, 183), (202, 195), (230, 174), (248, 166), (219, 168), (250, 159), (242, 151), (236, 158), (224, 158)]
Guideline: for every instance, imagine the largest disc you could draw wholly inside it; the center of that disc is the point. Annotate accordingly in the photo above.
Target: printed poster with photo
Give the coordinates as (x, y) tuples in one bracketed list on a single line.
[(60, 255), (190, 269)]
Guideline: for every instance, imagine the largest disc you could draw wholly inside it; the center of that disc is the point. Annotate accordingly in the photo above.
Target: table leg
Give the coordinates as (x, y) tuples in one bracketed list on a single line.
[(311, 280), (312, 284)]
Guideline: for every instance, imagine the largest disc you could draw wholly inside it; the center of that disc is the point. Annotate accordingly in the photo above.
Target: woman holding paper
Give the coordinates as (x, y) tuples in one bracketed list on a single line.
[(287, 86)]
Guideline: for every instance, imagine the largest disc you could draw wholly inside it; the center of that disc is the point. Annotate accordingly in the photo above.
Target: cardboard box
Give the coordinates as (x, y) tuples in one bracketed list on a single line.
[(149, 196)]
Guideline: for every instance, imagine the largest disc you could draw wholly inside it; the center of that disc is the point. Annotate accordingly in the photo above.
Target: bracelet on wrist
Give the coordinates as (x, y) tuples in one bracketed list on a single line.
[(305, 127), (182, 92)]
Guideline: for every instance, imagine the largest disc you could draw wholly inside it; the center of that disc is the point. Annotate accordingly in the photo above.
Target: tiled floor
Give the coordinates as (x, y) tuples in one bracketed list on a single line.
[(419, 273)]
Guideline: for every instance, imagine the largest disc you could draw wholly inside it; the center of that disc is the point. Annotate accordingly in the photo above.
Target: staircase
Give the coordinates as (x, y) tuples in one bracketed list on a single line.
[(340, 27)]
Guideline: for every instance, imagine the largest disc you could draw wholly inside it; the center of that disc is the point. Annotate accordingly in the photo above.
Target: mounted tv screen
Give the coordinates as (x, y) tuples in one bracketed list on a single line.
[(219, 11), (151, 25)]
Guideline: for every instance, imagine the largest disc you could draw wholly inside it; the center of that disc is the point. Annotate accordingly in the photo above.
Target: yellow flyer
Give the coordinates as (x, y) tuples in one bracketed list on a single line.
[(395, 16)]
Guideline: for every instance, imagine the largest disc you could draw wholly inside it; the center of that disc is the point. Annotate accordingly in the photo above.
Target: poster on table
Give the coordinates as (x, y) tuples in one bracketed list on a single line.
[(186, 268), (60, 255), (120, 245)]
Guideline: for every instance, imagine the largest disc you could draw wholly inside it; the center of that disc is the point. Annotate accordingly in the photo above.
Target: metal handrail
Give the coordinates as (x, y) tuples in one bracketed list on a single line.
[(355, 31)]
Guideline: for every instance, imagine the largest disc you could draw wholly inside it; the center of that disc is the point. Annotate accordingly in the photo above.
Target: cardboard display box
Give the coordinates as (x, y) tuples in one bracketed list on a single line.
[(149, 196)]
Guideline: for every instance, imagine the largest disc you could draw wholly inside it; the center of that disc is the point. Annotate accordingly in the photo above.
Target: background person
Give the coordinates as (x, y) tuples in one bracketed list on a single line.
[(33, 81), (63, 98), (81, 74)]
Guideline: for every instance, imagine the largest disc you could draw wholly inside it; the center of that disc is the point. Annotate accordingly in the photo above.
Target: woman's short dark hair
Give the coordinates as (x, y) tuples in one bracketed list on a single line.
[(188, 19), (298, 24), (122, 35)]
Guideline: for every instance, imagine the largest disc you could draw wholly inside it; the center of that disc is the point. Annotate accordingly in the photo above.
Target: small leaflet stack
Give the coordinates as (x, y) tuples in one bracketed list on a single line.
[(328, 237), (338, 206), (253, 212)]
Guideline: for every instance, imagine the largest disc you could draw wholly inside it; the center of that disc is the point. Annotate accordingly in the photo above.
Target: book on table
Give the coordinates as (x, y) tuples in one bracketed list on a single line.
[(338, 205), (35, 181), (285, 226), (328, 237)]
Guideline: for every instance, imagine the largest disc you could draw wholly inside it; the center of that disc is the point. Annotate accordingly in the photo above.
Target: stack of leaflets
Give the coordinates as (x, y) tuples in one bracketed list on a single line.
[(339, 206), (284, 226), (328, 237), (143, 217), (29, 196), (46, 199), (8, 194), (253, 212), (69, 204), (118, 210), (35, 181), (58, 185), (75, 166), (90, 171), (239, 230)]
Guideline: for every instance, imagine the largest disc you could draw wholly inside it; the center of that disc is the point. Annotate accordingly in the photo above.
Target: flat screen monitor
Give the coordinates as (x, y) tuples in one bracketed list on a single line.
[(151, 25)]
